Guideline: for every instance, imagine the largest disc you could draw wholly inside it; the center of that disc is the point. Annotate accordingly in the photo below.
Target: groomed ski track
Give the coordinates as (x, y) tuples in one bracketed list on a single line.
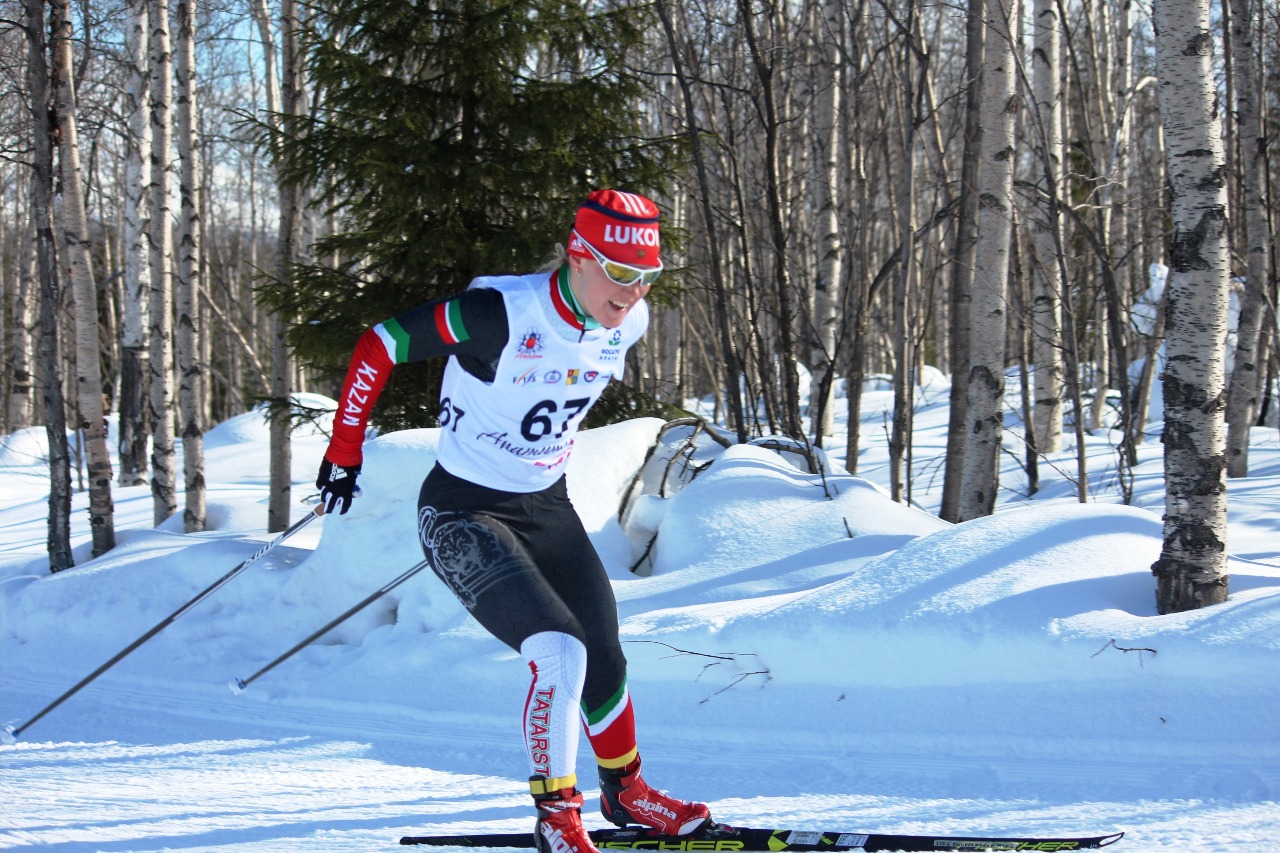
[(137, 765)]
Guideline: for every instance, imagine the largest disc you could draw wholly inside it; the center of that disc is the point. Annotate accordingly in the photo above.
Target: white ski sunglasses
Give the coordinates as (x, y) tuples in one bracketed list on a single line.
[(623, 274)]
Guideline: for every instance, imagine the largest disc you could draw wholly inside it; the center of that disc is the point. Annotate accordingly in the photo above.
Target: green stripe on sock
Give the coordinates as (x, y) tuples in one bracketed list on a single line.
[(607, 708)]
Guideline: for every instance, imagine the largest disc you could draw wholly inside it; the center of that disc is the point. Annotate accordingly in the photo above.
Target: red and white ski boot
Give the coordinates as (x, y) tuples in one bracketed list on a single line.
[(626, 799), (559, 828)]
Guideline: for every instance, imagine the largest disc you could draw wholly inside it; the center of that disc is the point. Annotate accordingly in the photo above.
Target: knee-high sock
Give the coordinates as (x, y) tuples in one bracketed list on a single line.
[(611, 728), (559, 666)]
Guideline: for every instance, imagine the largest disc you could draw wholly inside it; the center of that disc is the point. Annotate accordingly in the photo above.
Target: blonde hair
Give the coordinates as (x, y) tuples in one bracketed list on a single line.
[(559, 257)]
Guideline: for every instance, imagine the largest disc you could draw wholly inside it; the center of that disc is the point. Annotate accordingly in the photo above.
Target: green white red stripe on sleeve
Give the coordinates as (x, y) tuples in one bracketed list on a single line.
[(394, 339), (448, 317)]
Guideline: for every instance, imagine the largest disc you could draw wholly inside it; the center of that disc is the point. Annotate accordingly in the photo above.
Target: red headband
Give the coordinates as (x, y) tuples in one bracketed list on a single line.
[(621, 226)]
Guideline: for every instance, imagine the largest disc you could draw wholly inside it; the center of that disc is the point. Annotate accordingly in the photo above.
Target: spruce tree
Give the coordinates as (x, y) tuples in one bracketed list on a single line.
[(452, 138)]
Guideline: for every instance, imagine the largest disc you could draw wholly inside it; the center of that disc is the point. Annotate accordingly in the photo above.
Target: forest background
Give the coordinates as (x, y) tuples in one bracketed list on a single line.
[(205, 204)]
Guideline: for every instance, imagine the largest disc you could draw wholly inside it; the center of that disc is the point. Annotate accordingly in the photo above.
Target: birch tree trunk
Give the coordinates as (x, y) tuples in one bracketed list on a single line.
[(1191, 571), (281, 482), (732, 376), (825, 174), (271, 80), (75, 237), (961, 284), (905, 330), (1242, 402), (190, 367), (1046, 229), (1118, 280), (55, 420), (20, 411), (135, 421), (163, 478), (8, 285), (765, 69), (857, 297), (985, 399)]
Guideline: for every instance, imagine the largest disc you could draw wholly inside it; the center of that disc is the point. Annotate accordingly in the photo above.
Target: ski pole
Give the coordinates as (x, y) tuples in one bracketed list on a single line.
[(10, 733), (239, 684)]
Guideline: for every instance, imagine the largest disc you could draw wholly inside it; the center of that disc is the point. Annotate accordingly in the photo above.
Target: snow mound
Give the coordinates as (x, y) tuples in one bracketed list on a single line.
[(253, 427)]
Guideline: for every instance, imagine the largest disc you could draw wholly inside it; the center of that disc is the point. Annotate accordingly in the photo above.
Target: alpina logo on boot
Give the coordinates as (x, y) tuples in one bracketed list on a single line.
[(556, 842), (652, 808)]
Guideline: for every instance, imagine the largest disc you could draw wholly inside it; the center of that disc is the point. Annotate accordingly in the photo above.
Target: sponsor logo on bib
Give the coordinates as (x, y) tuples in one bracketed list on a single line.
[(530, 345)]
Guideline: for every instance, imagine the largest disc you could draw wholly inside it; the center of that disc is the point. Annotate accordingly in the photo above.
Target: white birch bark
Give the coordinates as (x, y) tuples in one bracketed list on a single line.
[(1099, 42), (134, 416), (21, 411), (985, 398), (163, 477), (79, 267), (1046, 229), (1242, 403), (1101, 363), (822, 184), (1191, 570), (190, 367)]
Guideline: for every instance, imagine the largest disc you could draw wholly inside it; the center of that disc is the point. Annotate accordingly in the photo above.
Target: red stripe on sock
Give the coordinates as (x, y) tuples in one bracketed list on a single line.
[(616, 745)]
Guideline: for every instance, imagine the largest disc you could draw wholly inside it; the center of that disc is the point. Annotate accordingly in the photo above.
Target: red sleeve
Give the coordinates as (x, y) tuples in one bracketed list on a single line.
[(366, 377)]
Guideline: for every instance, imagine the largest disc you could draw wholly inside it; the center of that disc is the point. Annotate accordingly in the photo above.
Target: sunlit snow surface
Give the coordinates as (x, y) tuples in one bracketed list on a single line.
[(806, 653)]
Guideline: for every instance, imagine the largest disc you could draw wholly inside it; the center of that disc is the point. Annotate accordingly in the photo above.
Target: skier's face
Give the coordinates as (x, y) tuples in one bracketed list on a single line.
[(607, 302)]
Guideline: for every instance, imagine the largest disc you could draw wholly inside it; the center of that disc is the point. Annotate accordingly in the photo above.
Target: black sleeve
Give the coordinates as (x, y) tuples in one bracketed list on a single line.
[(471, 325)]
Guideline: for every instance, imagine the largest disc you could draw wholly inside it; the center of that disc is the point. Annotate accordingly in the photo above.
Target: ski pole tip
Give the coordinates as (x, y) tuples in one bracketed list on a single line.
[(9, 736), (237, 685)]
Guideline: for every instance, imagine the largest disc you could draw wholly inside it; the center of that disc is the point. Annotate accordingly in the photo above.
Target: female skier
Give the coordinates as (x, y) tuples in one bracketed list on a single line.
[(528, 356)]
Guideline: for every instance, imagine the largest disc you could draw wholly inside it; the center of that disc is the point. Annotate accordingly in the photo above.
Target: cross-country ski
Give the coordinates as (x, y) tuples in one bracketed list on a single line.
[(726, 839)]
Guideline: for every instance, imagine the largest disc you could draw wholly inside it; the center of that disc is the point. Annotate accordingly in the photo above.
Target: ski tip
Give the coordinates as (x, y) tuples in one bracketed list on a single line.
[(8, 736), (237, 685)]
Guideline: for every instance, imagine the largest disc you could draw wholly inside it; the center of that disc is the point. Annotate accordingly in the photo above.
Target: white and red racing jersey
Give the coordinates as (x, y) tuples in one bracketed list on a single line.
[(524, 368)]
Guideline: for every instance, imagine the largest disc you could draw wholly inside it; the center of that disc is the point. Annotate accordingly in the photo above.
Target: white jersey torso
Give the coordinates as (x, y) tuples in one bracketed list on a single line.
[(516, 433)]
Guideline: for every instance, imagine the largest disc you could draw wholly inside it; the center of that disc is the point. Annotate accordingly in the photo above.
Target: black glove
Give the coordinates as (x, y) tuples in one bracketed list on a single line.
[(337, 485)]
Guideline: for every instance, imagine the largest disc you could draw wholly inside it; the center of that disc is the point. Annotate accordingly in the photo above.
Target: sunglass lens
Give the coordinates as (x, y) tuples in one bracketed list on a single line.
[(622, 275)]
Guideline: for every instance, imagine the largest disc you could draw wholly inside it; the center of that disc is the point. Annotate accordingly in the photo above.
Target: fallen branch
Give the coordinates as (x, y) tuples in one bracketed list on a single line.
[(716, 660), (1112, 645)]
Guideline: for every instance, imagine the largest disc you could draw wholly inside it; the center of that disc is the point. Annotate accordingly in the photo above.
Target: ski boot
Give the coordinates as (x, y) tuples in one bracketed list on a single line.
[(626, 799), (559, 828)]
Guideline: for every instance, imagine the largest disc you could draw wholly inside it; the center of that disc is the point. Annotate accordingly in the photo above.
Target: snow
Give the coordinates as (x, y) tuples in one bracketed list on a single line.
[(803, 652)]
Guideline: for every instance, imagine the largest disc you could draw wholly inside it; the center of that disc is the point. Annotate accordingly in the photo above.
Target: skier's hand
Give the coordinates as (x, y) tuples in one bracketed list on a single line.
[(337, 485)]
